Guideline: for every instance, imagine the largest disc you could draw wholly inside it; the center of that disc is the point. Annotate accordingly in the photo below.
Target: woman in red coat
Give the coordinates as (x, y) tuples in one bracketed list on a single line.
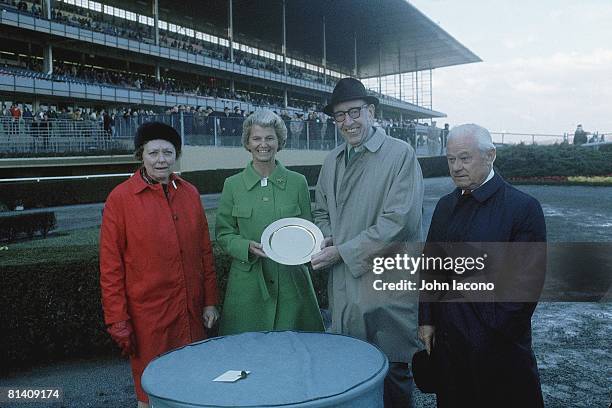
[(156, 264)]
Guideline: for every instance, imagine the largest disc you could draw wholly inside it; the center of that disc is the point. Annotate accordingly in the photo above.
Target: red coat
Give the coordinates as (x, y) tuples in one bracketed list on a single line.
[(156, 266)]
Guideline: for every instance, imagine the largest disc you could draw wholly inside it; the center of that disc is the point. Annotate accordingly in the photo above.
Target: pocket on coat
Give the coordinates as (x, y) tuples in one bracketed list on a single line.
[(245, 284), (292, 210), (242, 211), (241, 266)]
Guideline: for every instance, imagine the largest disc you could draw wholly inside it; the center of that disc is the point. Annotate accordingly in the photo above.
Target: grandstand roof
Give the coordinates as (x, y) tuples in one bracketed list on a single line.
[(395, 27)]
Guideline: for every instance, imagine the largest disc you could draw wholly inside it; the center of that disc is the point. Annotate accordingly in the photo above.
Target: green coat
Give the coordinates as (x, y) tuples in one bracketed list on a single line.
[(261, 294)]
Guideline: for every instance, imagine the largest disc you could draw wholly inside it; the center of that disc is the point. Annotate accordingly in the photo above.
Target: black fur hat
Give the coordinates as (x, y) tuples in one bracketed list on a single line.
[(157, 130)]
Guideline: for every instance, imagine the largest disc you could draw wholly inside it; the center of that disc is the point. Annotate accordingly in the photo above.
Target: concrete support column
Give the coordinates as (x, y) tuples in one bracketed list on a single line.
[(324, 52), (230, 29), (355, 53), (416, 81), (182, 127), (156, 20), (380, 68), (399, 68), (35, 105), (48, 59), (286, 98), (47, 8), (232, 86), (284, 38), (430, 89), (157, 72)]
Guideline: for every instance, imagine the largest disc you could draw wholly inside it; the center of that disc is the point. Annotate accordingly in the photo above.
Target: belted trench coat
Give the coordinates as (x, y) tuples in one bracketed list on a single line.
[(372, 208)]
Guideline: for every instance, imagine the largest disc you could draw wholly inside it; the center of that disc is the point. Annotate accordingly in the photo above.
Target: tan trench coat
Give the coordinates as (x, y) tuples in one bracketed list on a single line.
[(371, 208)]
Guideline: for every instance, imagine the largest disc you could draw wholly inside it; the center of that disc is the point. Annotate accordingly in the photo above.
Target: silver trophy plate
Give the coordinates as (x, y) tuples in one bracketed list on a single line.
[(291, 241)]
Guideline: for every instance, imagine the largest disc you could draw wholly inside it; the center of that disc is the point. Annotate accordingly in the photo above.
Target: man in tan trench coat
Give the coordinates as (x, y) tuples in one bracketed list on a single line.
[(369, 200)]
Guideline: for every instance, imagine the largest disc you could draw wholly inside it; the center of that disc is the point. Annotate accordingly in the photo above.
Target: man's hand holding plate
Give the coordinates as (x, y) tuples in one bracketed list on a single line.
[(328, 256)]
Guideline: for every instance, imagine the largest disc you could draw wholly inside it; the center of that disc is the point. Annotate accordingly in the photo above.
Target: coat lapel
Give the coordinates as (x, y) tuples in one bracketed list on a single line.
[(347, 177)]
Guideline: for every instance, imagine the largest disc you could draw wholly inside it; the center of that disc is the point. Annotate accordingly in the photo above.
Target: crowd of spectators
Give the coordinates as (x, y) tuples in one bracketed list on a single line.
[(97, 21), (22, 6), (100, 22), (63, 70), (200, 125), (194, 85), (123, 122)]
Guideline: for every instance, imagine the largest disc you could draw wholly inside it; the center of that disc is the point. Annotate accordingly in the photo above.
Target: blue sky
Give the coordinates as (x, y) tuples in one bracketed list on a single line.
[(547, 64)]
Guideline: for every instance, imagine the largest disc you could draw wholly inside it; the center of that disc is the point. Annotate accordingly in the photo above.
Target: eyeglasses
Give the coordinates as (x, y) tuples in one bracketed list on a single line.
[(354, 113)]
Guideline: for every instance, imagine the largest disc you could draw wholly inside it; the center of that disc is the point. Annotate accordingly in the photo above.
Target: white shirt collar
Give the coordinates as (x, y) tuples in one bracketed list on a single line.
[(489, 177)]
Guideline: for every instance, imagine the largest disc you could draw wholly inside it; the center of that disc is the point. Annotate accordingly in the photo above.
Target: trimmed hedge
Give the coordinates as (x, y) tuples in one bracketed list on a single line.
[(557, 160), (434, 166), (13, 226), (51, 307), (211, 181), (58, 192)]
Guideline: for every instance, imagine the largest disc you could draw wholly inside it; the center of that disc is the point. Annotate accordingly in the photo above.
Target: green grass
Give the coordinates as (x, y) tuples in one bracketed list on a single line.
[(56, 248), (64, 246), (80, 237)]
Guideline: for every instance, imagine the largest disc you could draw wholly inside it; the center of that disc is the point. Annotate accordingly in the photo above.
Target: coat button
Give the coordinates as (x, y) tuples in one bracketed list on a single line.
[(272, 281), (175, 217), (266, 199)]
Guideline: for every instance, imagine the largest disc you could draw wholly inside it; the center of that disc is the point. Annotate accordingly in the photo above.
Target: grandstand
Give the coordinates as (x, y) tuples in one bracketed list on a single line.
[(111, 65)]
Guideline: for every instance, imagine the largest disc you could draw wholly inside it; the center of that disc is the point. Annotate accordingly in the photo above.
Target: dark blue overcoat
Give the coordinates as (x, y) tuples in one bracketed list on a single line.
[(483, 350)]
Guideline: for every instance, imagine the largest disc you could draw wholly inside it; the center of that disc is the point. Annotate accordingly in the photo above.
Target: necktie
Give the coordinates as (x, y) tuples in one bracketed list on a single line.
[(351, 153)]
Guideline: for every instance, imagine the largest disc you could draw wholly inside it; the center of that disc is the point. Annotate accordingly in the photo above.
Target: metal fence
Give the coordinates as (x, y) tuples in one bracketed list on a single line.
[(31, 136), (226, 131), (505, 138), (60, 135)]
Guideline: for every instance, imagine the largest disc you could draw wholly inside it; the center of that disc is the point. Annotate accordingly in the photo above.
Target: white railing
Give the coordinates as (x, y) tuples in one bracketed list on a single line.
[(509, 138)]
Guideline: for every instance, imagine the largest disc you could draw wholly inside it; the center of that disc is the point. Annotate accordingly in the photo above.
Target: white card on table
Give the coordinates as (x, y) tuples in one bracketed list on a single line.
[(232, 376)]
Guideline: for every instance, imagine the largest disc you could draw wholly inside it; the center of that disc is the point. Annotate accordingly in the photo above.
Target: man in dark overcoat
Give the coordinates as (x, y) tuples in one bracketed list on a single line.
[(482, 351)]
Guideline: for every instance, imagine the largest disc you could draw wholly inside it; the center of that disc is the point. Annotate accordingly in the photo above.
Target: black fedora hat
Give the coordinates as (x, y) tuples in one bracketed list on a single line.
[(424, 372), (348, 89)]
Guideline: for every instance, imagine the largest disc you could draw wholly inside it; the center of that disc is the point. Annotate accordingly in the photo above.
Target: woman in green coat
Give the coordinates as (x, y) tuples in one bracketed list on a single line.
[(261, 294)]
